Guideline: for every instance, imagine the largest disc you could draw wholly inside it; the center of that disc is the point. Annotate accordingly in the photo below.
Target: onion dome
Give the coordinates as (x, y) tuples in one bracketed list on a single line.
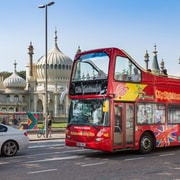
[(58, 65), (14, 81)]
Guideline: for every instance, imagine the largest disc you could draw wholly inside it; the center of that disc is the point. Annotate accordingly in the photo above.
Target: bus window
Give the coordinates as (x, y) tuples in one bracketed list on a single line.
[(150, 113), (90, 67), (125, 70), (129, 116), (174, 114), (129, 123), (89, 112), (118, 118)]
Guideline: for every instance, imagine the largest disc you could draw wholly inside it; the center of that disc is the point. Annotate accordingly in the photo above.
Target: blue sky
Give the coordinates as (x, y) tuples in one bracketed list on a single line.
[(132, 25)]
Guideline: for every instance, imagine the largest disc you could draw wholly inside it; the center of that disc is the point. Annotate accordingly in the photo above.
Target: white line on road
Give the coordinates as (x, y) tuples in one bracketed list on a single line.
[(132, 159), (42, 146), (4, 163), (42, 171), (54, 159), (170, 154), (93, 164)]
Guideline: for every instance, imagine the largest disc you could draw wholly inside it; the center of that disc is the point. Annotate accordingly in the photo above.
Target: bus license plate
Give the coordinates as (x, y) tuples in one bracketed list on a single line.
[(79, 144)]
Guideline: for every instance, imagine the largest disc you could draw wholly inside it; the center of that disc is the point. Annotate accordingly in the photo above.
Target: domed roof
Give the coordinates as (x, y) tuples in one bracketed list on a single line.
[(58, 65), (14, 81)]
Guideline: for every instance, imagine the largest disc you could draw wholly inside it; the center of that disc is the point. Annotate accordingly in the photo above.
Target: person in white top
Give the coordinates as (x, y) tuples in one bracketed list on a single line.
[(96, 115), (136, 75)]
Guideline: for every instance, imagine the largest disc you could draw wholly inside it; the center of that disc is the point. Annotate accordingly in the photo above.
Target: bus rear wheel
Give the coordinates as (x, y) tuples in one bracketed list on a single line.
[(146, 143)]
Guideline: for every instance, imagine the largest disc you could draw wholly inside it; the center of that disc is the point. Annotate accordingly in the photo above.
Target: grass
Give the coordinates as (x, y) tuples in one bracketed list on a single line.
[(55, 125)]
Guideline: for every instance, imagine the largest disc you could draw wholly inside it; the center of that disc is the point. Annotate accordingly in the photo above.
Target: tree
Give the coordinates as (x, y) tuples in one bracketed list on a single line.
[(6, 74), (22, 74)]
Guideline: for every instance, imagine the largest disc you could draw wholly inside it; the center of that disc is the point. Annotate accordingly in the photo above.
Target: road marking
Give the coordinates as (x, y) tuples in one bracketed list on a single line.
[(132, 159), (55, 159), (42, 171), (93, 164), (57, 152), (170, 154), (42, 146), (177, 168), (4, 163)]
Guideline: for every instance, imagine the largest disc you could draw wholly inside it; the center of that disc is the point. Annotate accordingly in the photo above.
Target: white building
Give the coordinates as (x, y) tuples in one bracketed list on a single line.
[(17, 94)]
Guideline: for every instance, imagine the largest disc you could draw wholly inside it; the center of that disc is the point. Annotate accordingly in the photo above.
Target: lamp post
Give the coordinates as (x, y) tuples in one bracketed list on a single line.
[(46, 95)]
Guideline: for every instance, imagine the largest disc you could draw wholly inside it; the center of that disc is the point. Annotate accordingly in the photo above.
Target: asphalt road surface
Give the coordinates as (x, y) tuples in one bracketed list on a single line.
[(52, 160)]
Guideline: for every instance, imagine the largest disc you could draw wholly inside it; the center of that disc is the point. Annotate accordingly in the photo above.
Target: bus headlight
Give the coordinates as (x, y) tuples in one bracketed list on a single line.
[(99, 139)]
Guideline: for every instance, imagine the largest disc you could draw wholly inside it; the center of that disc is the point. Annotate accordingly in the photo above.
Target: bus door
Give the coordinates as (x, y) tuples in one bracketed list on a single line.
[(123, 125), (129, 124)]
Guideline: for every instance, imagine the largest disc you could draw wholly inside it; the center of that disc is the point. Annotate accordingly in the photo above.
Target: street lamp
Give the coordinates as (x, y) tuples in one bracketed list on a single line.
[(46, 95)]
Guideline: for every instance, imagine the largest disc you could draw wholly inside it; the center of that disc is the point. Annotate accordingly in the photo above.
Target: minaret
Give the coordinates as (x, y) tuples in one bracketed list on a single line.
[(146, 59), (78, 50), (30, 59), (163, 70), (15, 67), (155, 65), (78, 68), (55, 39)]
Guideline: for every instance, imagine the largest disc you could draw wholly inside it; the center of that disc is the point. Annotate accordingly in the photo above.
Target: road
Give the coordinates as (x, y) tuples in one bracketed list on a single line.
[(51, 160)]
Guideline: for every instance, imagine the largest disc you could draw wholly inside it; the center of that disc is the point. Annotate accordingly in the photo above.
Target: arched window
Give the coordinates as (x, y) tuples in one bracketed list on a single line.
[(8, 98), (11, 110), (16, 98), (4, 109)]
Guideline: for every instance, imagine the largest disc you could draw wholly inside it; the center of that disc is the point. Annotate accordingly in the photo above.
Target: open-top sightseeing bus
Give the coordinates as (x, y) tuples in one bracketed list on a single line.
[(115, 104)]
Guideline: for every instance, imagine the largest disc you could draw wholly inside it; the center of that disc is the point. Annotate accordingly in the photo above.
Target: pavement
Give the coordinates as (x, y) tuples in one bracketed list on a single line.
[(58, 134)]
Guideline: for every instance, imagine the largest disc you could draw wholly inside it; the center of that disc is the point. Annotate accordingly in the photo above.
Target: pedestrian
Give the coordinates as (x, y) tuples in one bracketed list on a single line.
[(49, 126), (4, 121)]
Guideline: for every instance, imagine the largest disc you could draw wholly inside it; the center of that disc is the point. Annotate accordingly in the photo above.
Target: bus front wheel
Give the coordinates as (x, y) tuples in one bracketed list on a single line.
[(146, 143)]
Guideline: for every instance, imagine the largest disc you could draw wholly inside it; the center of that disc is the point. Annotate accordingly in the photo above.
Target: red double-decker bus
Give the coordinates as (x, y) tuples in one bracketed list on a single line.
[(115, 104)]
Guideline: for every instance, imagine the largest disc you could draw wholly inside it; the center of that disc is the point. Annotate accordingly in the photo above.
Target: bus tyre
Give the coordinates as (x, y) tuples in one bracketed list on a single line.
[(146, 143)]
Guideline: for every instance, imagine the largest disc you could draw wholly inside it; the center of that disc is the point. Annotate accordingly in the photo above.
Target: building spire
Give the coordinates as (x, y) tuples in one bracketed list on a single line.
[(155, 65), (55, 40), (146, 59), (15, 66), (55, 37), (155, 51), (30, 52), (78, 50), (163, 70)]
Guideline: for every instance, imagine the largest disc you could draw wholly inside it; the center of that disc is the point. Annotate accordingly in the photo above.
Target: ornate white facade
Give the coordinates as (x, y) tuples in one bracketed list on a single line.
[(17, 94)]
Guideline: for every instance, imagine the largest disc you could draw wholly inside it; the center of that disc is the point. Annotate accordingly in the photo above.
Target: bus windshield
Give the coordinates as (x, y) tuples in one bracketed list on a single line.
[(91, 66), (89, 112)]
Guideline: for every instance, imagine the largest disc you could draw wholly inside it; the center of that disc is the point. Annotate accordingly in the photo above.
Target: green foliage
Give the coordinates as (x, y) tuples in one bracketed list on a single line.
[(54, 125), (22, 74), (6, 74)]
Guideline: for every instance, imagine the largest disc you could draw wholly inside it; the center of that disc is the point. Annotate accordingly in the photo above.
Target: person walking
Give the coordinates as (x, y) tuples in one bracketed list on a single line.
[(49, 126)]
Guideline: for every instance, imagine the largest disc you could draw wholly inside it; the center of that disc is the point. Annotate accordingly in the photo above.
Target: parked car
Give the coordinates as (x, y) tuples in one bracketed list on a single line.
[(12, 140)]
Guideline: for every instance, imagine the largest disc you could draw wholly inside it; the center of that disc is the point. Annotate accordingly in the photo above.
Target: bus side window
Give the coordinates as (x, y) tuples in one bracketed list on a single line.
[(174, 114), (121, 69), (125, 70), (118, 118)]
